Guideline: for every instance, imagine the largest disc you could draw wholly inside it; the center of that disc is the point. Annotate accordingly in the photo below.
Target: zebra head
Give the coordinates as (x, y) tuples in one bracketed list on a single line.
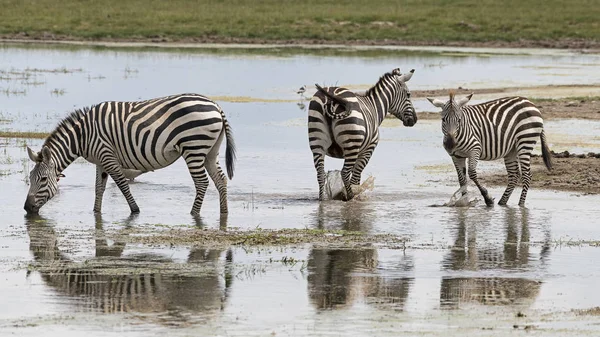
[(401, 106), (452, 118), (43, 180)]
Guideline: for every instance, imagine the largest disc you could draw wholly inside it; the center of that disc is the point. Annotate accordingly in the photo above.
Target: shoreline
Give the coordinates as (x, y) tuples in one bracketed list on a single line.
[(499, 47)]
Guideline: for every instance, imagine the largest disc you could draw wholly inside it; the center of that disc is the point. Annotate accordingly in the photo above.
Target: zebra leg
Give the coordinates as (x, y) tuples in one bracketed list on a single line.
[(101, 179), (113, 168), (347, 176), (524, 161), (218, 177), (512, 168), (473, 176), (195, 164), (460, 164), (319, 139), (319, 161), (361, 163)]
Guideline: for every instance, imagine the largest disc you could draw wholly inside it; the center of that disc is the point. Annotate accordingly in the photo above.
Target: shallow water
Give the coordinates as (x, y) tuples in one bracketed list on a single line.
[(462, 270), (40, 86)]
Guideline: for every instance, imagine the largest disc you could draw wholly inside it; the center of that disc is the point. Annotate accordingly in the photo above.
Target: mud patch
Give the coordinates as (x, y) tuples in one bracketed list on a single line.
[(565, 108), (580, 173)]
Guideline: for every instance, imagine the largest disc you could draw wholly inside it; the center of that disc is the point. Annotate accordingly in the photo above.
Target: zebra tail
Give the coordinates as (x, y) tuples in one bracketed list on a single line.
[(230, 151), (546, 154), (332, 97)]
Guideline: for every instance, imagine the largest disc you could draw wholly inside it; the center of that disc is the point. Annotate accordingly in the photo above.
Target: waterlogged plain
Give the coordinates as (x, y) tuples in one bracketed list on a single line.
[(282, 263)]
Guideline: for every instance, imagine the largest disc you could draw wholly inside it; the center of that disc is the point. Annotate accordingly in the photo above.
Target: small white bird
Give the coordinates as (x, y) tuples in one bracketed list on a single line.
[(302, 90)]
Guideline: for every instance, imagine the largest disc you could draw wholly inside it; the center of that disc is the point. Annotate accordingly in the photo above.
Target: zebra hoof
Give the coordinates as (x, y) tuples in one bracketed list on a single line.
[(489, 202), (135, 210), (502, 202)]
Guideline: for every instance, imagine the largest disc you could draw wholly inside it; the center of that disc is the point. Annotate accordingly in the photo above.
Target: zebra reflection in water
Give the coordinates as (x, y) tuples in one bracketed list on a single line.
[(332, 279), (126, 290), (512, 254)]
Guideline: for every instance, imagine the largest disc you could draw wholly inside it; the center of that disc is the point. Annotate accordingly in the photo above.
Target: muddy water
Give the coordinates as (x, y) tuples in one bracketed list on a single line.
[(469, 270)]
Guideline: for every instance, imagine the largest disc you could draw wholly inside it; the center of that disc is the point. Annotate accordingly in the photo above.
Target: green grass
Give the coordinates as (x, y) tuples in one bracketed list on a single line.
[(339, 20)]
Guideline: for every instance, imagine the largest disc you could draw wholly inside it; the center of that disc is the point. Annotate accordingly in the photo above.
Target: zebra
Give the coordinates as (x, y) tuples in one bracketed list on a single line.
[(125, 137), (503, 128), (343, 124)]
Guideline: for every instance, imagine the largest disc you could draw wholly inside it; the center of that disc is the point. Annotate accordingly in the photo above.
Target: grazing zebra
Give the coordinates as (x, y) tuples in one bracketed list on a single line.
[(343, 124), (124, 137), (504, 128)]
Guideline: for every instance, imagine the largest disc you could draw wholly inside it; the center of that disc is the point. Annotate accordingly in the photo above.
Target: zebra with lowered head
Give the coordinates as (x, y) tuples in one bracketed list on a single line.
[(503, 128), (343, 124), (125, 137)]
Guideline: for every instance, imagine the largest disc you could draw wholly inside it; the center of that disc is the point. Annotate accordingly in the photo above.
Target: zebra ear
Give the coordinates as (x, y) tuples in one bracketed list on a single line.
[(33, 156), (436, 102), (46, 154), (406, 77), (465, 100)]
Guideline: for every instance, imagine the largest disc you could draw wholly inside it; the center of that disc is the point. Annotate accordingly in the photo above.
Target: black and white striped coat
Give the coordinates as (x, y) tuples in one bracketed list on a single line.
[(505, 128), (122, 137), (343, 124)]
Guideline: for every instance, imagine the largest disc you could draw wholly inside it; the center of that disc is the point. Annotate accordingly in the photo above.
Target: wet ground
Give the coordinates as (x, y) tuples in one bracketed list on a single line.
[(389, 264)]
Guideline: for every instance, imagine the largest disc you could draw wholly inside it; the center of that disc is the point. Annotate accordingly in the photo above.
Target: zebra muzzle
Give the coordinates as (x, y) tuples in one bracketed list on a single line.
[(30, 205), (409, 118), (449, 144)]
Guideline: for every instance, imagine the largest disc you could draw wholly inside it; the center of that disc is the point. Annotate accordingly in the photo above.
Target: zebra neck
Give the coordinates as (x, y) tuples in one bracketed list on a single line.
[(380, 99), (65, 147)]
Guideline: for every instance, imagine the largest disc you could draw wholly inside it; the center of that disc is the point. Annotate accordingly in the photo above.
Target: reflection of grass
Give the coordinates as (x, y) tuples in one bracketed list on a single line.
[(99, 77), (6, 160), (58, 92), (33, 83), (63, 70), (380, 20), (23, 134), (13, 92)]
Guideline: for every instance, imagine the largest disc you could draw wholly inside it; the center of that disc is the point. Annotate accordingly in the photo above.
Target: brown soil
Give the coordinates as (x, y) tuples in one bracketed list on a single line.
[(558, 44), (580, 173), (583, 108)]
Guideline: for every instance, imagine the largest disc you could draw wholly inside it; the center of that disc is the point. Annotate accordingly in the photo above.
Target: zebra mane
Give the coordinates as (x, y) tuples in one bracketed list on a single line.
[(451, 95), (67, 122), (383, 77)]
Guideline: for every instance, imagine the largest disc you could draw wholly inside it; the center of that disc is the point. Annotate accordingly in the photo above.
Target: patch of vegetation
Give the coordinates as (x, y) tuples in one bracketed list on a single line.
[(57, 92), (61, 70), (434, 21), (566, 99), (23, 134), (261, 237), (595, 311)]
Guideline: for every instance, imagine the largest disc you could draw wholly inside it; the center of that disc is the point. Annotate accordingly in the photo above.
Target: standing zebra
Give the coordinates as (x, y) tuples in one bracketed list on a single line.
[(121, 137), (343, 124), (504, 128)]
